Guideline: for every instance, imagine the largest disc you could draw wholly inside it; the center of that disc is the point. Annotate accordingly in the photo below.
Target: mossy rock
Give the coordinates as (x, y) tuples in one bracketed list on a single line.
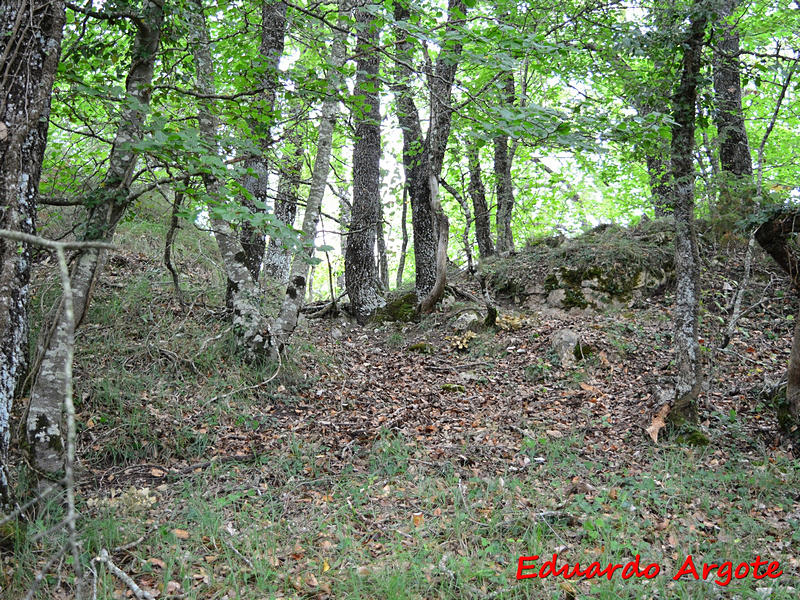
[(453, 387), (422, 348), (402, 308)]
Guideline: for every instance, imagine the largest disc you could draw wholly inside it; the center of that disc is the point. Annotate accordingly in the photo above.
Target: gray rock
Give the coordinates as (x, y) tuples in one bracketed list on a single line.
[(556, 298), (468, 321), (564, 342)]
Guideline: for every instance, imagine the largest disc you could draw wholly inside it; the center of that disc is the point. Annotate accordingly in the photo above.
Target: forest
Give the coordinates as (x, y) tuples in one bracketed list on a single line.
[(406, 299)]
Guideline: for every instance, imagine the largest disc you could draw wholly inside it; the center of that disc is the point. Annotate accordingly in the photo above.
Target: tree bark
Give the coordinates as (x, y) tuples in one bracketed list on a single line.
[(687, 262), (276, 260), (286, 321), (483, 226), (423, 156), (30, 46), (361, 276), (106, 206), (504, 189), (401, 265), (249, 323), (736, 185), (253, 240)]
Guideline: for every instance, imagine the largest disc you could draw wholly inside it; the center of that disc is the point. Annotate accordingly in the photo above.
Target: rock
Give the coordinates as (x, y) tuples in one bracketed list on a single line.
[(555, 298), (564, 342), (468, 321), (336, 333)]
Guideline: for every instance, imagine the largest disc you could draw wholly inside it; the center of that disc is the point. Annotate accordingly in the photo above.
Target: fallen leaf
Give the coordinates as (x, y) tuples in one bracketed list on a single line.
[(181, 534), (418, 519), (658, 423)]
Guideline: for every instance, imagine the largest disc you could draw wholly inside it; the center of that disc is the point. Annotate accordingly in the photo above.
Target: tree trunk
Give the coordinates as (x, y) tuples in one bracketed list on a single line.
[(383, 259), (483, 227), (736, 185), (249, 323), (658, 169), (276, 260), (504, 189), (107, 206), (423, 155), (273, 29), (687, 262), (286, 321), (361, 276), (401, 265), (30, 46)]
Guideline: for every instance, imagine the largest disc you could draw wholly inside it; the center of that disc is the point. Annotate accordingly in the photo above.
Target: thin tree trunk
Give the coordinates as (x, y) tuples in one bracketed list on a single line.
[(687, 261), (658, 170), (273, 30), (401, 265), (504, 188), (462, 202), (361, 277), (276, 260), (383, 259), (30, 46), (108, 204), (483, 227), (286, 321)]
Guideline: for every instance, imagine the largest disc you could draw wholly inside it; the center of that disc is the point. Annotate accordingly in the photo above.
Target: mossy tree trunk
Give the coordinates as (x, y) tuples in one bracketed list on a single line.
[(687, 261), (30, 45), (248, 320), (736, 184), (277, 257), (273, 29), (286, 321), (504, 188), (106, 206)]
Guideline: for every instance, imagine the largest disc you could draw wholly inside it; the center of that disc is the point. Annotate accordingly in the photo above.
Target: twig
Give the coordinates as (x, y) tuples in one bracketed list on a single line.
[(141, 594), (247, 388)]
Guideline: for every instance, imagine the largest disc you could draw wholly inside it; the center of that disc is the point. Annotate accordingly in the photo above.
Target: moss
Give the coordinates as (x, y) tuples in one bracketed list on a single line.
[(583, 351), (453, 387), (693, 437), (422, 348), (402, 308)]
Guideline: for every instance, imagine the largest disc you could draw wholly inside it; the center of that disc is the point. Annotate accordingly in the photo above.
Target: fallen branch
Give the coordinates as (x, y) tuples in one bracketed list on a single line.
[(104, 558)]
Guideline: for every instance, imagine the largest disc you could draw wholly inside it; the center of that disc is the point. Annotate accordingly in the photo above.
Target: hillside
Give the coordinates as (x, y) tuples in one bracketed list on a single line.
[(414, 460)]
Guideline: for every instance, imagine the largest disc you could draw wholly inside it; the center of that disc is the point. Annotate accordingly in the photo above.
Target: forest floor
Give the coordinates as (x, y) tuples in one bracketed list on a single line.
[(381, 462)]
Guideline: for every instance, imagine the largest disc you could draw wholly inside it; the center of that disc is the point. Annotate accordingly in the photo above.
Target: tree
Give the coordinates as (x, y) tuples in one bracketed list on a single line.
[(687, 260), (361, 276), (477, 192), (273, 28), (106, 205), (30, 46), (503, 157), (423, 155), (736, 185)]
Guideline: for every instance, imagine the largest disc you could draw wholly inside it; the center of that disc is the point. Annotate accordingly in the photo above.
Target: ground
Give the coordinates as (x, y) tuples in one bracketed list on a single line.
[(360, 467)]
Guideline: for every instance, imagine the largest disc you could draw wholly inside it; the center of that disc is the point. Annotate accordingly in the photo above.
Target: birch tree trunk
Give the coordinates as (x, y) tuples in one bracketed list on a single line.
[(286, 321), (687, 261), (107, 206), (361, 274), (30, 46)]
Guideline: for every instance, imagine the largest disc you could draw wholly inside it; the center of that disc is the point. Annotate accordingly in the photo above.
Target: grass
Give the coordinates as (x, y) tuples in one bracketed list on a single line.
[(399, 525), (178, 475)]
